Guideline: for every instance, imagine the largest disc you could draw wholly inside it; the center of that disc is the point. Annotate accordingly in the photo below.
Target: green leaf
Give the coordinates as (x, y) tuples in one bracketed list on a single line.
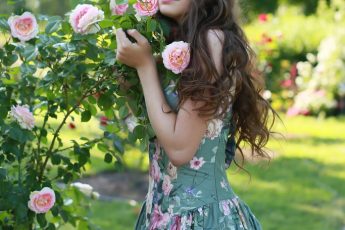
[(20, 210), (27, 69), (20, 135), (109, 58), (55, 210), (109, 113), (112, 128), (92, 99), (123, 112), (105, 101), (9, 60), (69, 47), (139, 131), (4, 24), (152, 25), (3, 173), (106, 23), (30, 52), (10, 146), (51, 226), (118, 146), (132, 138), (92, 52), (53, 24), (120, 2), (64, 215), (66, 27), (143, 146), (41, 219), (103, 147), (56, 159), (108, 158), (85, 116)]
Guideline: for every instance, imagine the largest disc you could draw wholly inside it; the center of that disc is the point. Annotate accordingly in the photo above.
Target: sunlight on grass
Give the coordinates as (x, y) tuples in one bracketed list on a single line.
[(303, 186)]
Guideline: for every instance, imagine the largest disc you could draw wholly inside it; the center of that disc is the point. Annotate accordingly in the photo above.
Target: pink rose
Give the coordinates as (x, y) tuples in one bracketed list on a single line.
[(263, 17), (176, 56), (293, 111), (41, 201), (84, 18), (23, 27), (146, 7), (118, 9), (23, 116)]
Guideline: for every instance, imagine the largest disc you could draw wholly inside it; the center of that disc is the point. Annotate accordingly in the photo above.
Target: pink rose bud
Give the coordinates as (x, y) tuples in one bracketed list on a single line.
[(23, 27), (263, 17), (104, 120), (146, 7), (118, 9), (71, 125), (23, 116), (41, 201), (84, 18), (176, 56)]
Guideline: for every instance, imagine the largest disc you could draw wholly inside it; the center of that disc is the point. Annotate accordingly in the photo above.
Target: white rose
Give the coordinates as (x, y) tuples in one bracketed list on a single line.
[(84, 188), (23, 116)]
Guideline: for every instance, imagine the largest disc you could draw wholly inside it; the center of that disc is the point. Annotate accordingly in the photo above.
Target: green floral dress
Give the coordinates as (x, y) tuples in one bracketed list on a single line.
[(196, 195)]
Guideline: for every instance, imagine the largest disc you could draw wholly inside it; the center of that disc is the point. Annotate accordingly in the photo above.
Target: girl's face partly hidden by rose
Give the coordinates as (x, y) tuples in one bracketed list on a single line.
[(174, 9)]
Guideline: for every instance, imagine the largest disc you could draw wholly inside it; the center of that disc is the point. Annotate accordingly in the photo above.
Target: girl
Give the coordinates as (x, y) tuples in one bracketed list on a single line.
[(195, 125)]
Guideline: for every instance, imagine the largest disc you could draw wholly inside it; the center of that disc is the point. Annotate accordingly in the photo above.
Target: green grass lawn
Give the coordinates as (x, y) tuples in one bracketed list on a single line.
[(302, 188)]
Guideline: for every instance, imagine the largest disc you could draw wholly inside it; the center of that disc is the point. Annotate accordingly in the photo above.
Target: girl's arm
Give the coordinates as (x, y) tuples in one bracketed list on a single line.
[(179, 134)]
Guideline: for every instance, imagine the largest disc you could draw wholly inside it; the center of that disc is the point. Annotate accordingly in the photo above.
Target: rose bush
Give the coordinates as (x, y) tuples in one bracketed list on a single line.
[(54, 69)]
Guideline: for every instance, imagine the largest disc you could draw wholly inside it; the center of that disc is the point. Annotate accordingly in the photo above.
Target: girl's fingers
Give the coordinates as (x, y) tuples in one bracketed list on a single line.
[(137, 36), (121, 38)]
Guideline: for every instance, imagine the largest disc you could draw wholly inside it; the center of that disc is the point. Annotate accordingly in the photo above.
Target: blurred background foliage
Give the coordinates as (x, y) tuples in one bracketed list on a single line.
[(300, 48)]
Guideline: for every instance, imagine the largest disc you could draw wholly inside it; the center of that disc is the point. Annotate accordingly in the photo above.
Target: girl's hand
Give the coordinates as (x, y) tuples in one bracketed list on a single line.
[(136, 55)]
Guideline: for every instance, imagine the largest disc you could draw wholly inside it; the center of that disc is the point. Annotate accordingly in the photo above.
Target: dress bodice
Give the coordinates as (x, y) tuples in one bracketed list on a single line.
[(203, 179)]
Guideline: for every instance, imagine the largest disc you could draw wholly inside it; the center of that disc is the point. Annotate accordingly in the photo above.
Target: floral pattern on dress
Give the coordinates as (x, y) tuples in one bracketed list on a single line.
[(214, 128), (197, 163)]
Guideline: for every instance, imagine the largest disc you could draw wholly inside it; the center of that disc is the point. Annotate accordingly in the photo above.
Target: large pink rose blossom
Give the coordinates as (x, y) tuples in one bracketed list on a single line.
[(119, 9), (84, 18), (23, 116), (23, 27), (146, 7), (176, 56), (41, 201)]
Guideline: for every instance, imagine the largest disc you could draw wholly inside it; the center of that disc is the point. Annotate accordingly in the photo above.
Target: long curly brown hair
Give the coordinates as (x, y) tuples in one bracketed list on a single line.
[(250, 110)]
